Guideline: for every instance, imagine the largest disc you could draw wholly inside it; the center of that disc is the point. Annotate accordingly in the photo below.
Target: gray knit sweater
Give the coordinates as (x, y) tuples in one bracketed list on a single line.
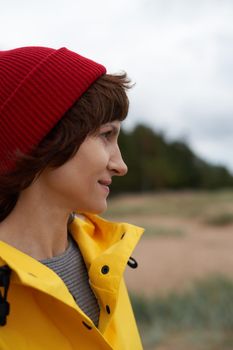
[(70, 267)]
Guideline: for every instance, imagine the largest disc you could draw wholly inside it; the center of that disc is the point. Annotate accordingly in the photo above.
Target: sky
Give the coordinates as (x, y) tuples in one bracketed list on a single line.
[(179, 54)]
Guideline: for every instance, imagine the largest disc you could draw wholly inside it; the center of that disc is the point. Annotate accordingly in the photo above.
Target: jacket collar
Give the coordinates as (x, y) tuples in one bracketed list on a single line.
[(107, 245), (102, 243)]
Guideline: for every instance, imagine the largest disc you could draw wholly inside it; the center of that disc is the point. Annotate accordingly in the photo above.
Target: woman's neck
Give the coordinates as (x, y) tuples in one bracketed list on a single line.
[(37, 225)]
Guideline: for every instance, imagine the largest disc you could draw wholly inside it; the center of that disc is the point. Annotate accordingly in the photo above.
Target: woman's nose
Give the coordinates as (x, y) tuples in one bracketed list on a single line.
[(117, 164)]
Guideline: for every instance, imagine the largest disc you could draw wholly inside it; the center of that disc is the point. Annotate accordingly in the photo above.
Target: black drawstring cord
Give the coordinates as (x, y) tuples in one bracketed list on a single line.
[(132, 263), (5, 272)]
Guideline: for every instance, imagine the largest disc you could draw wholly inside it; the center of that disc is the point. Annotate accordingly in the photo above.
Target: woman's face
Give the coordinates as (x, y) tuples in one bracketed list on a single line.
[(83, 181)]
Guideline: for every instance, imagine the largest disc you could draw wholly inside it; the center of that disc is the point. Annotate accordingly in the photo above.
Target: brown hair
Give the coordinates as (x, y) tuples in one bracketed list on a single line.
[(104, 101)]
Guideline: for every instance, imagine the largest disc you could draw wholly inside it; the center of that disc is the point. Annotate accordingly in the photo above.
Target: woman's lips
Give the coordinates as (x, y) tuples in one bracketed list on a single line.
[(105, 182), (105, 185)]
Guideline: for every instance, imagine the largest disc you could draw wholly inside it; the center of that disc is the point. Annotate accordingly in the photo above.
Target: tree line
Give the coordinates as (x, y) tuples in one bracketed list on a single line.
[(156, 164)]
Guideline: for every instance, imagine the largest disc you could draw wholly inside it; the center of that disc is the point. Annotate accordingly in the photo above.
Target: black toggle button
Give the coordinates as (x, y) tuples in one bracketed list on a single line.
[(105, 269), (108, 309), (132, 263), (86, 325), (123, 235)]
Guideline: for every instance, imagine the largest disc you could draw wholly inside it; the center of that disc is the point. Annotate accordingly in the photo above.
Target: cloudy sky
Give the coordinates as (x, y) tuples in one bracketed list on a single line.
[(179, 53)]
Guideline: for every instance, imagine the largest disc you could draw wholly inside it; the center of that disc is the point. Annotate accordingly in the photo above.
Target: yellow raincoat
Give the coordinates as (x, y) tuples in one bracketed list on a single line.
[(43, 314)]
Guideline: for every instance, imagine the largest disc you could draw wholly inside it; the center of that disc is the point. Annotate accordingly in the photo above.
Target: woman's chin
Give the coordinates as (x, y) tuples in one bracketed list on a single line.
[(100, 209)]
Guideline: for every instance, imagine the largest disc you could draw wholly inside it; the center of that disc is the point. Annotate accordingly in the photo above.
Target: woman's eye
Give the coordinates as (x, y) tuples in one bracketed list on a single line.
[(107, 134)]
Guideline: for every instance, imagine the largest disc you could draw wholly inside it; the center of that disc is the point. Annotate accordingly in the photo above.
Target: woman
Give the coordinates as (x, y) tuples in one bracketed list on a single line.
[(62, 265)]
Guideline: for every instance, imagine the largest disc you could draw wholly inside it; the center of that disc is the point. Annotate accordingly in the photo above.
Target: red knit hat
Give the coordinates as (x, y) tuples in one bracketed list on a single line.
[(37, 86)]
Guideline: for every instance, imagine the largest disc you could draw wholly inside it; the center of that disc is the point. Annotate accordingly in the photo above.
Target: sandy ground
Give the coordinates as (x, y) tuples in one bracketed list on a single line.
[(175, 262)]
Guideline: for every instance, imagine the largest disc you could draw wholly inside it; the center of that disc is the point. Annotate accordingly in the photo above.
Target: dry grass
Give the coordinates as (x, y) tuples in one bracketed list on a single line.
[(182, 204)]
